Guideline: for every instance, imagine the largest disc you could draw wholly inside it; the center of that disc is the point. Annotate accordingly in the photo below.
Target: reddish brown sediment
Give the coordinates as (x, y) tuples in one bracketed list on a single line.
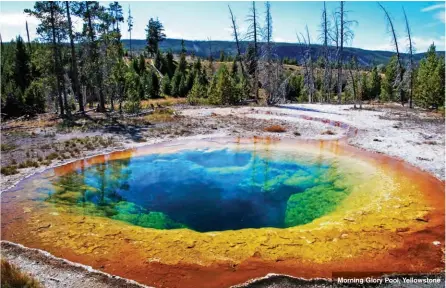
[(394, 223)]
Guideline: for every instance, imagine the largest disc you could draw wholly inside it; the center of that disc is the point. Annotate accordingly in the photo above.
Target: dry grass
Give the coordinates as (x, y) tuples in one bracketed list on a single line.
[(12, 277), (7, 147), (160, 115), (167, 101), (275, 128)]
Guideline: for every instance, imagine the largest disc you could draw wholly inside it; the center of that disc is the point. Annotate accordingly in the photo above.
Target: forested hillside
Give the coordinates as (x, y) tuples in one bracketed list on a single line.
[(283, 50), (65, 70)]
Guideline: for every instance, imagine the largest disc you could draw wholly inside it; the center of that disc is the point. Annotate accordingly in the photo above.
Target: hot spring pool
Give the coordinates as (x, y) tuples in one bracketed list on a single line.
[(189, 210), (204, 190)]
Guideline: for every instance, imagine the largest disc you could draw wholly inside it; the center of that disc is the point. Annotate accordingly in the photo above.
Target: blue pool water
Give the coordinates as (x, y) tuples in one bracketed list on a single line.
[(201, 190)]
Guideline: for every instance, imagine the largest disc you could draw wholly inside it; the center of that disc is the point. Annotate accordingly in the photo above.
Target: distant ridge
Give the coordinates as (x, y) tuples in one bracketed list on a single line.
[(289, 50)]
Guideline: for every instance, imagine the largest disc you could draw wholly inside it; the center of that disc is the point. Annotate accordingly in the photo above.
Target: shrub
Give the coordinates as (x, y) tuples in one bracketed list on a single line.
[(9, 170), (35, 98), (275, 128), (12, 277), (7, 147), (328, 132)]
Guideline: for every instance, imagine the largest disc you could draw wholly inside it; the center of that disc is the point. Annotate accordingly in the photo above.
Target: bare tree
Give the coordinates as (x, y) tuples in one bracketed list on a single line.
[(307, 62), (29, 42), (270, 67), (409, 70), (130, 28), (345, 35), (324, 37), (399, 74), (235, 34), (252, 35), (353, 71), (211, 59)]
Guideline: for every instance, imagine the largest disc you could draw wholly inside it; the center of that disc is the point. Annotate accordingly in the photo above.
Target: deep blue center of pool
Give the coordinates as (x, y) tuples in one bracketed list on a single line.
[(201, 190)]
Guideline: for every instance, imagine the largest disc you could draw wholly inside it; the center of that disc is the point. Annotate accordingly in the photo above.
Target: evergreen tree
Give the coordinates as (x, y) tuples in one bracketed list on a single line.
[(169, 63), (35, 98), (222, 90), (155, 85), (22, 65), (165, 85), (117, 17), (222, 56), (234, 70), (183, 47), (374, 83), (295, 87), (387, 85), (175, 83), (52, 29), (198, 91), (141, 65), (430, 83), (364, 93), (154, 35)]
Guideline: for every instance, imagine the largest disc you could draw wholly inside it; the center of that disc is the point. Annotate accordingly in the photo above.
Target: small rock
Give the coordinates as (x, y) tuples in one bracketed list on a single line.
[(402, 229), (422, 219), (377, 140)]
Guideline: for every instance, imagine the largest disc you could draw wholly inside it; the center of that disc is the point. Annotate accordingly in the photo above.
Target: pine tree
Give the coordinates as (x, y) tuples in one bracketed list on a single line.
[(183, 47), (364, 93), (22, 65), (141, 65), (222, 56), (430, 84), (387, 90), (222, 90), (169, 63), (155, 85), (198, 91), (34, 97), (154, 35), (165, 86), (52, 29), (374, 83), (234, 70)]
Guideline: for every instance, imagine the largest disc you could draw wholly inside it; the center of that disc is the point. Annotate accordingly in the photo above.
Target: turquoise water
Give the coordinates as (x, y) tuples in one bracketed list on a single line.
[(203, 190)]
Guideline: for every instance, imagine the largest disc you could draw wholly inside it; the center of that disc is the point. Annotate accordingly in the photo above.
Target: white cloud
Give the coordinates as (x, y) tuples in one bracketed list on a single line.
[(433, 7), (13, 24), (421, 44), (16, 19), (440, 16)]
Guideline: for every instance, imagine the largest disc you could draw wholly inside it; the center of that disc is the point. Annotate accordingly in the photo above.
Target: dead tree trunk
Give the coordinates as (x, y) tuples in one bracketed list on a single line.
[(399, 77), (56, 60), (411, 66), (236, 38), (74, 69), (327, 66), (340, 54)]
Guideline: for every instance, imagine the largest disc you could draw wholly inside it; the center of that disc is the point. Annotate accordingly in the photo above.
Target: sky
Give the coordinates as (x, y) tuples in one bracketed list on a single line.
[(202, 20)]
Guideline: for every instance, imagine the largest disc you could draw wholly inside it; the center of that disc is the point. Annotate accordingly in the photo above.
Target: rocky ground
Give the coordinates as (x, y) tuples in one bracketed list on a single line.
[(31, 146)]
